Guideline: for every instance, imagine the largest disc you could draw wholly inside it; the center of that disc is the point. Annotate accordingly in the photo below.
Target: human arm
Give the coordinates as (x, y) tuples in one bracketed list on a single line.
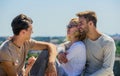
[(31, 61), (62, 52), (62, 57), (77, 58), (6, 61), (38, 45), (9, 68), (108, 62), (51, 68)]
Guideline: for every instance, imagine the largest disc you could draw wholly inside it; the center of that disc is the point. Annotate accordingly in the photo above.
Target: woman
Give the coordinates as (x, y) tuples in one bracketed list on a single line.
[(73, 58)]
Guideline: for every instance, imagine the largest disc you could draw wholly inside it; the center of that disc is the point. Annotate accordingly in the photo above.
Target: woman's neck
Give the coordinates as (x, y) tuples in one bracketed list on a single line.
[(74, 40)]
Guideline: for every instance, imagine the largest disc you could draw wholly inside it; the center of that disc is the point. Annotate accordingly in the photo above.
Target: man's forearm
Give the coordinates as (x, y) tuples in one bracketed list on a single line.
[(52, 56), (52, 53)]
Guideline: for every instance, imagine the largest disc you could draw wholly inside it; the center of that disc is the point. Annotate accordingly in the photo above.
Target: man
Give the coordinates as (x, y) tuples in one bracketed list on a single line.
[(100, 48), (13, 52)]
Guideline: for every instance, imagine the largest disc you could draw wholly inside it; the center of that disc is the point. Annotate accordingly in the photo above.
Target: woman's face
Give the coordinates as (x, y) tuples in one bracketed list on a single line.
[(72, 32)]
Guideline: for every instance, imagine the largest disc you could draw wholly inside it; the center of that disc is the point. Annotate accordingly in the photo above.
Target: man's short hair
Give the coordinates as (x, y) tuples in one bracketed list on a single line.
[(20, 22), (89, 16)]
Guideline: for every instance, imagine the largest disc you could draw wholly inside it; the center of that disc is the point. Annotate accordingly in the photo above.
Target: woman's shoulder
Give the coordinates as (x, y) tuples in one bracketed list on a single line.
[(78, 43)]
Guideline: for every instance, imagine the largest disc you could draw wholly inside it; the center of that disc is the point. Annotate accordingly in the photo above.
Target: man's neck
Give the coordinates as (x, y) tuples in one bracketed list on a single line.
[(18, 41), (93, 35)]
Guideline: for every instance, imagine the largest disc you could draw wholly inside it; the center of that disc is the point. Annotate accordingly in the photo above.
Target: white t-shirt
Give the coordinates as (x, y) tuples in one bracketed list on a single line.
[(76, 59)]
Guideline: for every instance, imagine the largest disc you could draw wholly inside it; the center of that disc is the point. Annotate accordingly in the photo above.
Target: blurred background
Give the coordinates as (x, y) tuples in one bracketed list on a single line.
[(50, 18)]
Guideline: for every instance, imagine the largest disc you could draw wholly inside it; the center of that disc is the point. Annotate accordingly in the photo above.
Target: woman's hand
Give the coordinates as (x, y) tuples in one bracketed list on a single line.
[(62, 57)]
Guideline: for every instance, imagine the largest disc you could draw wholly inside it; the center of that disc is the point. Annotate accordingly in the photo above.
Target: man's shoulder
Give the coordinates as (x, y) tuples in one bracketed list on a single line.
[(29, 41), (78, 44), (4, 48), (4, 45), (107, 38)]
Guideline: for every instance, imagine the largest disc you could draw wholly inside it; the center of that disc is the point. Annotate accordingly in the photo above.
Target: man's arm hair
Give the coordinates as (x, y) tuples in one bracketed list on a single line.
[(51, 48)]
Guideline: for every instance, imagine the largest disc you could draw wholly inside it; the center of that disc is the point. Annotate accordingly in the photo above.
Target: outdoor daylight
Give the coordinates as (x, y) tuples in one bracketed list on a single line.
[(59, 38)]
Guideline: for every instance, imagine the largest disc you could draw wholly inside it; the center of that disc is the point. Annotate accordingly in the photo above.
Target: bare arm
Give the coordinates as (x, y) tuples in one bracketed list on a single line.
[(39, 45), (51, 69), (31, 61), (9, 68)]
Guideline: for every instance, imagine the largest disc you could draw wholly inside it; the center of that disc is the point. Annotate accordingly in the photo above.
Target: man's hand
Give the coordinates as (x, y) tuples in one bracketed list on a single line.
[(31, 61), (51, 70), (62, 57)]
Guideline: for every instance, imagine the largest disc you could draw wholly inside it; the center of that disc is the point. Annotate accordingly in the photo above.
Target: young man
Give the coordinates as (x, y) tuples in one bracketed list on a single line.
[(100, 48), (13, 52)]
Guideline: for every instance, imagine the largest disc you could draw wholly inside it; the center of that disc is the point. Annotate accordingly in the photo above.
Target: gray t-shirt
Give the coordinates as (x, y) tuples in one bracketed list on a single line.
[(10, 52), (100, 56)]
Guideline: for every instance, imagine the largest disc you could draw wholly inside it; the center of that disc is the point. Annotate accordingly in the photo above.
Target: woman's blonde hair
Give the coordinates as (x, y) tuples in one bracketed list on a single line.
[(75, 22)]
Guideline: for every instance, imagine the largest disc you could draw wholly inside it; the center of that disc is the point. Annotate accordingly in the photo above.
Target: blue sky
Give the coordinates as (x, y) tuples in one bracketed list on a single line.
[(50, 17)]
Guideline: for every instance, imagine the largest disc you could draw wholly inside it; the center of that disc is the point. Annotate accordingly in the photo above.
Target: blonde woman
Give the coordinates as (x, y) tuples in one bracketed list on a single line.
[(73, 58)]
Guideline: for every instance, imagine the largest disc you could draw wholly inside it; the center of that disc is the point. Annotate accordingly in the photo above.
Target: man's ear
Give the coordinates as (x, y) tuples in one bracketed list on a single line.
[(90, 23), (22, 32)]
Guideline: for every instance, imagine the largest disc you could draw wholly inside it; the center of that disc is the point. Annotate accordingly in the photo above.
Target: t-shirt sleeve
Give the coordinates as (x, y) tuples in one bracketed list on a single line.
[(30, 44), (5, 55)]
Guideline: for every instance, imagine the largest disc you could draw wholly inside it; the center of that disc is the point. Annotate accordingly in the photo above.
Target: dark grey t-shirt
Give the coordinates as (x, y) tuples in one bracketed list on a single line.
[(10, 52)]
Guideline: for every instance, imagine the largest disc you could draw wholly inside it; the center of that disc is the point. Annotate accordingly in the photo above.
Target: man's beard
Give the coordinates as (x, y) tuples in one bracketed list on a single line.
[(82, 35)]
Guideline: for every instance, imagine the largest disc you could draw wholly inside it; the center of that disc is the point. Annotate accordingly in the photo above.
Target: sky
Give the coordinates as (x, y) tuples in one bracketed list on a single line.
[(50, 17)]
